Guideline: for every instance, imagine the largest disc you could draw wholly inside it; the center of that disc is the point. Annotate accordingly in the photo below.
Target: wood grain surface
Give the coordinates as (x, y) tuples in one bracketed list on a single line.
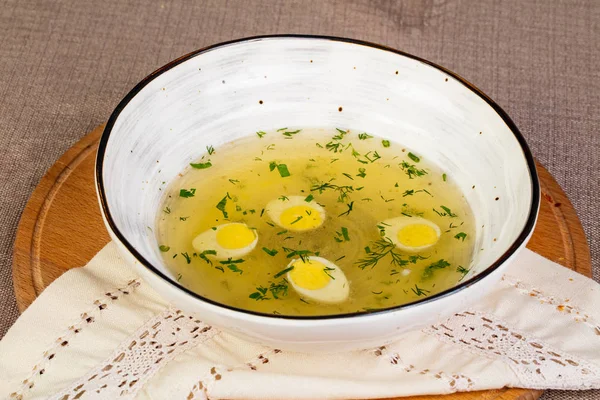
[(61, 228)]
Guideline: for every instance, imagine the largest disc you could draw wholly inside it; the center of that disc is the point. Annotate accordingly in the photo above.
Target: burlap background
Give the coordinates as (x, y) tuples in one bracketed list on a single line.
[(64, 65)]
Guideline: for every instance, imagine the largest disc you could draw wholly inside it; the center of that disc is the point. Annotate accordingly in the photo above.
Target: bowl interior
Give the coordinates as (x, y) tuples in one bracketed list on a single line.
[(233, 90)]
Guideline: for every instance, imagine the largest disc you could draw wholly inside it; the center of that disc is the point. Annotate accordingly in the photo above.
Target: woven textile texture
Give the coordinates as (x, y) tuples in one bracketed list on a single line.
[(65, 64)]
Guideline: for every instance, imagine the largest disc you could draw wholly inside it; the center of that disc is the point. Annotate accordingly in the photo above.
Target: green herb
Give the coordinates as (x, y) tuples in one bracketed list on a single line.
[(364, 136), (221, 205), (333, 146), (220, 268), (281, 168), (463, 271), (386, 200), (261, 134), (411, 170), (300, 253), (414, 259), (445, 213), (460, 236), (440, 264), (260, 294), (234, 181), (234, 268), (419, 292), (187, 257), (444, 177), (327, 270), (345, 234), (282, 232), (382, 228), (211, 150), (412, 191), (205, 253), (231, 264), (167, 210), (309, 198), (272, 253), (341, 131), (385, 143), (283, 198), (164, 248), (290, 133), (187, 193), (343, 191), (333, 160), (381, 248), (201, 165), (348, 176), (339, 258), (231, 261), (373, 157), (281, 129), (413, 157), (179, 276), (296, 220), (262, 212), (362, 172), (283, 272), (183, 218), (347, 212), (279, 289)]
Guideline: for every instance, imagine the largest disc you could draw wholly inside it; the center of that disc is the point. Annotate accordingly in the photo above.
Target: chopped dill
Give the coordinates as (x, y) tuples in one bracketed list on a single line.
[(221, 205), (414, 157), (429, 270), (411, 170), (460, 236), (205, 165), (347, 212), (419, 292), (382, 248)]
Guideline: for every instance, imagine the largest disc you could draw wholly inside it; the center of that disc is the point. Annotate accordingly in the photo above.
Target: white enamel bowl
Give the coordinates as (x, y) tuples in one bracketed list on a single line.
[(224, 92)]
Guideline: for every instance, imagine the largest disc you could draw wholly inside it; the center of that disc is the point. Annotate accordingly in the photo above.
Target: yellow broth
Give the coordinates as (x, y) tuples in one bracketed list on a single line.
[(359, 179)]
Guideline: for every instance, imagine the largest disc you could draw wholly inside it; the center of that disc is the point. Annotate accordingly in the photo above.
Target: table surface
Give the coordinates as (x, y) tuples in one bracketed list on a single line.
[(64, 65)]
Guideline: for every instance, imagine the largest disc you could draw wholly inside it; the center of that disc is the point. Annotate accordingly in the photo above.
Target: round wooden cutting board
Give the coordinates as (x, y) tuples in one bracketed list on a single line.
[(61, 228)]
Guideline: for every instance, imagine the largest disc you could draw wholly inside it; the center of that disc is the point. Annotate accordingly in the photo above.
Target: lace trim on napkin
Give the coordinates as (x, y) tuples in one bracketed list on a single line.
[(85, 319), (562, 305), (136, 360), (456, 382), (537, 365)]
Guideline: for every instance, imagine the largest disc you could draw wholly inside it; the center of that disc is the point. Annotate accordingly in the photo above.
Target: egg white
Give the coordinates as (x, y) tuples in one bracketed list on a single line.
[(393, 225), (276, 207), (207, 240), (336, 291)]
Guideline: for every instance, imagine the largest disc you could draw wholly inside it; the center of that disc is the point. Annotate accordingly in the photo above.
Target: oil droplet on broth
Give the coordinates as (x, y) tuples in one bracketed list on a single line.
[(354, 181)]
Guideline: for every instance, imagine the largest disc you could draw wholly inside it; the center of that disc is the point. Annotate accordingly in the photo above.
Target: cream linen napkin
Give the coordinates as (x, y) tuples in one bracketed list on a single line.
[(99, 332)]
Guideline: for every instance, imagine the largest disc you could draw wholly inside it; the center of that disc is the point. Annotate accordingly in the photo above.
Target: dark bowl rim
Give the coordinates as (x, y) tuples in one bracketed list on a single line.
[(516, 245)]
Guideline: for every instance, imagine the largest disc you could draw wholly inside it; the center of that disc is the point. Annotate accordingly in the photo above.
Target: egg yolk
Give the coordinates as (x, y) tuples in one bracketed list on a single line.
[(235, 236), (417, 235), (300, 218), (309, 275)]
